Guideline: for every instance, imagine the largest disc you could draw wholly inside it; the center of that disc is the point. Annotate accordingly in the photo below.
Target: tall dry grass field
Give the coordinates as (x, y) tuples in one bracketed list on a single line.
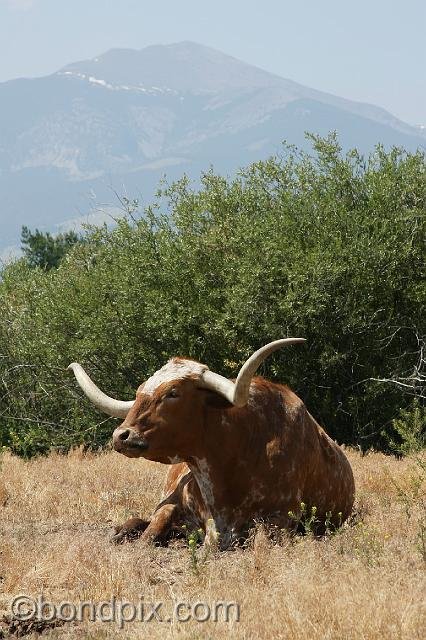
[(365, 581)]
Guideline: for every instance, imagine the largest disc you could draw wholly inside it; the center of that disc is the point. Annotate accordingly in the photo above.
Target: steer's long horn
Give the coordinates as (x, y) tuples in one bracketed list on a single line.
[(116, 408), (238, 392)]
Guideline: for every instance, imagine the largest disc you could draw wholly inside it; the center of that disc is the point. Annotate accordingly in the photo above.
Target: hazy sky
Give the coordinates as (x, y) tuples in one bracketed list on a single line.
[(368, 50)]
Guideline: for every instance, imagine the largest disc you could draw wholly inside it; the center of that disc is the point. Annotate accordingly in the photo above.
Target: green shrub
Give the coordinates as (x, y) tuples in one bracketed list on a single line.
[(410, 430), (322, 246)]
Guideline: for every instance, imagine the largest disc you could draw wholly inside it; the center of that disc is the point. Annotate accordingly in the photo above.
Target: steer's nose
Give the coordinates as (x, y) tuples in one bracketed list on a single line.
[(125, 439)]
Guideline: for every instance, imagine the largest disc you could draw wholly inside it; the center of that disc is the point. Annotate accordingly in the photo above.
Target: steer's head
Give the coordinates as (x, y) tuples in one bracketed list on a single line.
[(164, 423)]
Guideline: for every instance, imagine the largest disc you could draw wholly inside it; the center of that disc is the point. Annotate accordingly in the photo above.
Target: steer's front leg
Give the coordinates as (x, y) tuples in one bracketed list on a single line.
[(152, 531), (130, 530), (161, 524)]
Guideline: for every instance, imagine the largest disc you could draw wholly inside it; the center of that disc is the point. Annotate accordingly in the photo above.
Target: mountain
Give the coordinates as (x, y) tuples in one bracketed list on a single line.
[(119, 122)]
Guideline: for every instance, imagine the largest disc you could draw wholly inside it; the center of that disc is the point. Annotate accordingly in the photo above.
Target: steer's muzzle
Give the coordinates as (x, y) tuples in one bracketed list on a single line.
[(129, 442)]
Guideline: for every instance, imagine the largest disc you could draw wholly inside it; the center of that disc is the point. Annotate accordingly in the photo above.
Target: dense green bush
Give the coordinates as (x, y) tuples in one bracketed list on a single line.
[(323, 246)]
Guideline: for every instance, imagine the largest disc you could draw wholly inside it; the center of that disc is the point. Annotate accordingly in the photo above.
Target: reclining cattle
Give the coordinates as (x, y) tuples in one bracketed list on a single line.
[(239, 451)]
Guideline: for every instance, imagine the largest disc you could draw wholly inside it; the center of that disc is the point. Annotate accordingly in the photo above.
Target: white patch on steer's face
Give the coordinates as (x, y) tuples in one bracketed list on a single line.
[(175, 369)]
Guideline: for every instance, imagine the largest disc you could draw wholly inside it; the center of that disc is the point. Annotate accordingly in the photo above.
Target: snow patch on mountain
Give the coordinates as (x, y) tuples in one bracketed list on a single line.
[(119, 87)]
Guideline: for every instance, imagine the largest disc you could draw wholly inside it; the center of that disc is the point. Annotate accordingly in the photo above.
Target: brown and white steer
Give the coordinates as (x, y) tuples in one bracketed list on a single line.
[(238, 451)]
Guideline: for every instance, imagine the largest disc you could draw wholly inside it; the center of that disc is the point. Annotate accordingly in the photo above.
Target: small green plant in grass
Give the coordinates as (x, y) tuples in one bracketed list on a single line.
[(306, 520), (330, 527), (193, 539)]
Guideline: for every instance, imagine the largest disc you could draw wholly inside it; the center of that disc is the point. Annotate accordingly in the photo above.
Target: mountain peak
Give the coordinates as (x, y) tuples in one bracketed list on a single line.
[(181, 66)]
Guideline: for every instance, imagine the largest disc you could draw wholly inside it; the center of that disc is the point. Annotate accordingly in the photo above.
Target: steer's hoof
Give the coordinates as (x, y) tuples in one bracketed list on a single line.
[(130, 530)]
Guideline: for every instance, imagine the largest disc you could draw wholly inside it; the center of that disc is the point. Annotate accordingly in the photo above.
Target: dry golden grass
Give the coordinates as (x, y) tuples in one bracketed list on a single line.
[(366, 581)]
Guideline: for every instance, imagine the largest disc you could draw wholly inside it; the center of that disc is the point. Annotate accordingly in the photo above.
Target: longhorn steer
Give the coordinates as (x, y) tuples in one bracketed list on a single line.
[(238, 451)]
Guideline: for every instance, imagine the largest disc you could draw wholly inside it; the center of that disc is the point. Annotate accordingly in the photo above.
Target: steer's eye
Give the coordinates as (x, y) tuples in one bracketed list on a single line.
[(173, 393)]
